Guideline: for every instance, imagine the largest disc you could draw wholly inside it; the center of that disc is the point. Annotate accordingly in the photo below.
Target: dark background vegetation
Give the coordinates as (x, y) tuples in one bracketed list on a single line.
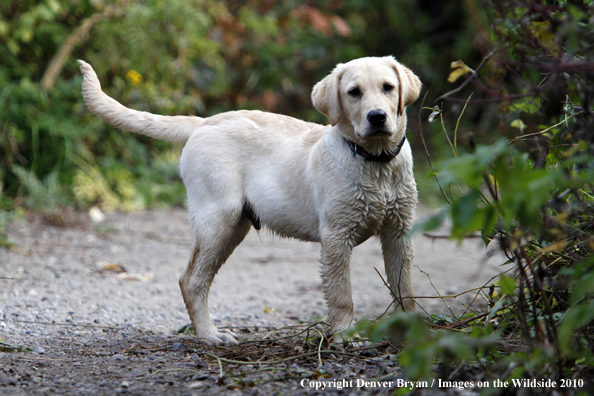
[(509, 154), (186, 57)]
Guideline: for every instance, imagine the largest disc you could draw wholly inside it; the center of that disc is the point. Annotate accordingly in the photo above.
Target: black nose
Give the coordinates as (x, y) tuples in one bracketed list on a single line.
[(376, 117)]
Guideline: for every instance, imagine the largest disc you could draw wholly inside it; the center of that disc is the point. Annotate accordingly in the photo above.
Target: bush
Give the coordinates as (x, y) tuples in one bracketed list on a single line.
[(530, 192)]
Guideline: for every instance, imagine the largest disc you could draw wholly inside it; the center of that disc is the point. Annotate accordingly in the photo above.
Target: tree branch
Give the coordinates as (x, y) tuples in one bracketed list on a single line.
[(76, 37), (485, 59)]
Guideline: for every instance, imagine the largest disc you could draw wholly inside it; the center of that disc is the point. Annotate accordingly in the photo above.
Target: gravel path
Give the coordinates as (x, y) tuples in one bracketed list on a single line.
[(66, 289)]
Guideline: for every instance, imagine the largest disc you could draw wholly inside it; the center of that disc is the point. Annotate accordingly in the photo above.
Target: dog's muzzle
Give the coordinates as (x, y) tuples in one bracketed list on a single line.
[(377, 120)]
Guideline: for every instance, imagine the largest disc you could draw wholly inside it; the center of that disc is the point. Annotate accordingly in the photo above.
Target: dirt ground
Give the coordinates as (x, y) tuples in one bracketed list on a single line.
[(95, 309)]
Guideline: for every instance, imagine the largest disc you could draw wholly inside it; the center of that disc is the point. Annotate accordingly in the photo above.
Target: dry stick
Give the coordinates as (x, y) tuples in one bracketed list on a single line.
[(531, 291), (474, 73), (498, 99), (479, 288), (221, 374), (320, 346), (291, 357), (468, 236), (446, 133), (457, 124), (447, 295), (78, 35), (396, 299), (270, 329), (284, 337), (542, 291), (437, 291), (543, 131), (522, 301), (262, 370), (492, 190), (164, 371), (466, 321), (427, 152), (484, 287), (391, 291), (69, 324)]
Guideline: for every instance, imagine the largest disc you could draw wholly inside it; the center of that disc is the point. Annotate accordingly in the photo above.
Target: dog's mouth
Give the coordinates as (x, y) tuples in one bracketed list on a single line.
[(376, 133)]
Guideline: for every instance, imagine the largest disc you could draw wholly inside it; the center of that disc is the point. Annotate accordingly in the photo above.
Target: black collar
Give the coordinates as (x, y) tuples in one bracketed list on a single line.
[(383, 157)]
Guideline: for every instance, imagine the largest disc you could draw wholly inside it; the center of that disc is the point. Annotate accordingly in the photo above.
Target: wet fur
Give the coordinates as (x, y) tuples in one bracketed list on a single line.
[(298, 179)]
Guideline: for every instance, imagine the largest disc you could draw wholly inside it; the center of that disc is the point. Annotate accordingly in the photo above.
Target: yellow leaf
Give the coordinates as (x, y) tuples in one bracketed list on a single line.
[(518, 124), (456, 74), (460, 69)]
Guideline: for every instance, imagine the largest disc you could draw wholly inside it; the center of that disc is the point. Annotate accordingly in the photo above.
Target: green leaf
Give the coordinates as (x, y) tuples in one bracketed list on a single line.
[(507, 284), (576, 317), (518, 124), (465, 215), (429, 223)]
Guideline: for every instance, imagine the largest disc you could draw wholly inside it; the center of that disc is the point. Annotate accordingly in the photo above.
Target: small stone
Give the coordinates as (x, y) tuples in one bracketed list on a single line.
[(104, 383), (96, 215), (196, 385), (38, 349), (178, 346), (118, 357), (10, 381), (125, 385)]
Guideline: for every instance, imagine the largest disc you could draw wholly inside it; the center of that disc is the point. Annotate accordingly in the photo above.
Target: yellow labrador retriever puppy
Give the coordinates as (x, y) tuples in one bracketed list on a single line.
[(338, 184)]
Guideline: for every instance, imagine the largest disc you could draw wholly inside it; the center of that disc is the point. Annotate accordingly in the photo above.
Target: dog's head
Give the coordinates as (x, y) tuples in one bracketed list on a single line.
[(367, 97)]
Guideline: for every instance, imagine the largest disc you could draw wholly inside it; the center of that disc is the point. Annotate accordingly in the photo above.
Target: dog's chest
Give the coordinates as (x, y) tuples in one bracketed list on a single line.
[(373, 200)]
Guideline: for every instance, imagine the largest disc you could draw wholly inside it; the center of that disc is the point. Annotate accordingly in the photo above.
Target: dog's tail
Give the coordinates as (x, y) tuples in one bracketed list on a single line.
[(175, 129)]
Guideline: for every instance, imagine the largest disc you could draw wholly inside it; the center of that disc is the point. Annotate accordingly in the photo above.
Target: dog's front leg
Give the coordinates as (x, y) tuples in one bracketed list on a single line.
[(398, 258), (335, 259)]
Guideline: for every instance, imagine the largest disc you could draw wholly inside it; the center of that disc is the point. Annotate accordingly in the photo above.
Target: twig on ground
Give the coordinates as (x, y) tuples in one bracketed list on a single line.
[(284, 337), (290, 357), (70, 324), (165, 371)]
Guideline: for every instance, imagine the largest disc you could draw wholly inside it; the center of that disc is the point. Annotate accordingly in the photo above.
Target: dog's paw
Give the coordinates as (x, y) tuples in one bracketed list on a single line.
[(216, 337), (348, 339)]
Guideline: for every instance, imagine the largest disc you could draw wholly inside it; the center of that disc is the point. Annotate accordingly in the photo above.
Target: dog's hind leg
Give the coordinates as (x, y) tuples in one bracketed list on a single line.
[(215, 240)]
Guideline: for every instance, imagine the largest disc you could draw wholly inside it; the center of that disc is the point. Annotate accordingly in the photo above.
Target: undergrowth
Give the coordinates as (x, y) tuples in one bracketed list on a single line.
[(529, 192)]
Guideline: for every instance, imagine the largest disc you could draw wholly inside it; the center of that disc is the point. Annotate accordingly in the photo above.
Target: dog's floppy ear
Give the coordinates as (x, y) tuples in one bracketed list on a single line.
[(325, 95), (409, 88)]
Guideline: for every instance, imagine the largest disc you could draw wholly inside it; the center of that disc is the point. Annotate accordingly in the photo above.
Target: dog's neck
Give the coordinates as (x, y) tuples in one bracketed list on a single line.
[(384, 156)]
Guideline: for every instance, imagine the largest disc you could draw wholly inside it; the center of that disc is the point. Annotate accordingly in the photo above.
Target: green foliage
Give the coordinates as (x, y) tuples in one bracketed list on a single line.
[(518, 190), (425, 349), (5, 347), (529, 191)]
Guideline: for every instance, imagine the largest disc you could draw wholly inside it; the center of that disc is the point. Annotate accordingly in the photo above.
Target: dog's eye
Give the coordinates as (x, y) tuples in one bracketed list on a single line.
[(388, 87), (355, 92)]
